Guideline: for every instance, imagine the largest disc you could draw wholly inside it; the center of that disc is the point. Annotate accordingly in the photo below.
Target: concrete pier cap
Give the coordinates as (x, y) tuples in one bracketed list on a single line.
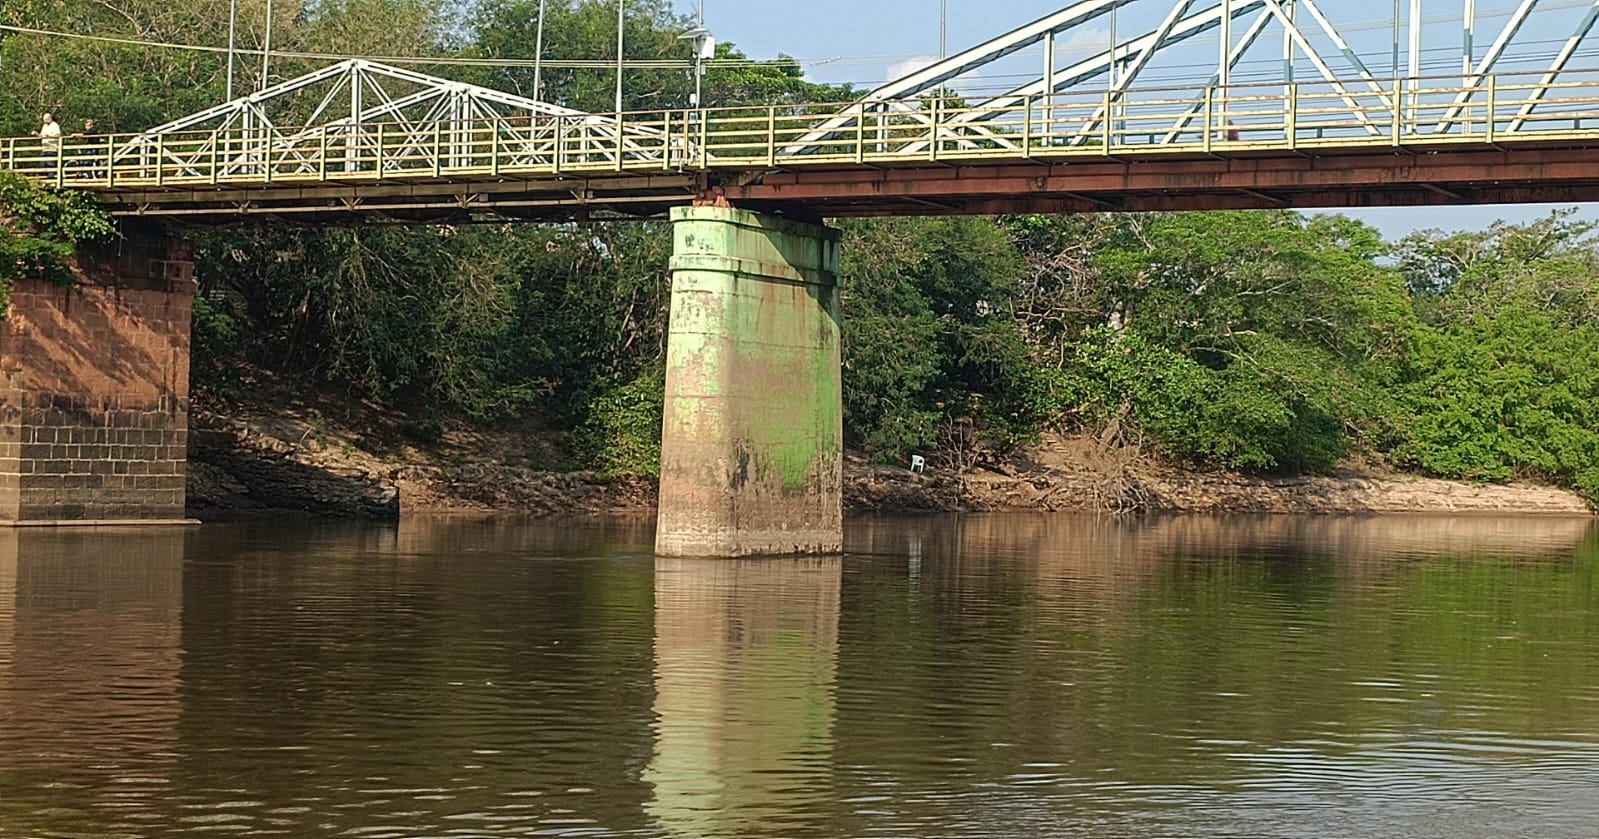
[(753, 437)]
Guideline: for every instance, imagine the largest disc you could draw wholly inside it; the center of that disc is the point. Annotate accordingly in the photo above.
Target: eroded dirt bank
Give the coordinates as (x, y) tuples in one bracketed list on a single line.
[(303, 459)]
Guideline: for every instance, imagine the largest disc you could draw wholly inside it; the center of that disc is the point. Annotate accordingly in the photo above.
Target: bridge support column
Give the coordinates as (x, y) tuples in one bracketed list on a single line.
[(94, 390), (752, 449)]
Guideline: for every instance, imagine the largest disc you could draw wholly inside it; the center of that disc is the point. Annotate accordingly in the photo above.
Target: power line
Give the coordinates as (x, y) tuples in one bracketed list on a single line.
[(661, 64), (414, 60)]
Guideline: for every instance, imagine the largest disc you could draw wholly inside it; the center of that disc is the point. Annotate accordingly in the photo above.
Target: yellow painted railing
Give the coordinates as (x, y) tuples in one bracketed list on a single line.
[(1304, 116)]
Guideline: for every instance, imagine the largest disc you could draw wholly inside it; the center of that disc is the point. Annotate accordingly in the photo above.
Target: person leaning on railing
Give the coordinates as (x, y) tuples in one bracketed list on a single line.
[(88, 152)]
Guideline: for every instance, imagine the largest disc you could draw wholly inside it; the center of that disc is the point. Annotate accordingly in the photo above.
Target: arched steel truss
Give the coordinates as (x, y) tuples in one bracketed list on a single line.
[(1168, 82), (361, 116), (1074, 100)]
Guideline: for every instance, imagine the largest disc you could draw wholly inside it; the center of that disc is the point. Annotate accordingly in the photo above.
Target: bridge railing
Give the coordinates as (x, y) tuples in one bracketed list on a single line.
[(1176, 120)]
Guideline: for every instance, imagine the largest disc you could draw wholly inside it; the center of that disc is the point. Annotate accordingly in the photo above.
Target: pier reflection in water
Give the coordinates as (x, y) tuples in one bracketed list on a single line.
[(952, 676), (745, 657), (90, 660)]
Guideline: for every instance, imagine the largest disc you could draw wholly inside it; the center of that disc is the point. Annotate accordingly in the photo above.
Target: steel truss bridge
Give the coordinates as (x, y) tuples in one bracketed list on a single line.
[(1117, 105)]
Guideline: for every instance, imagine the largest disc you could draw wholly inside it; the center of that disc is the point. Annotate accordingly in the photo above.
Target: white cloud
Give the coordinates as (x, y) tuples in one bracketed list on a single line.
[(911, 65)]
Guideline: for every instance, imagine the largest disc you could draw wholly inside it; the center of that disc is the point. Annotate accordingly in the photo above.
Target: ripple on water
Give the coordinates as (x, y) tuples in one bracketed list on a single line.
[(978, 676)]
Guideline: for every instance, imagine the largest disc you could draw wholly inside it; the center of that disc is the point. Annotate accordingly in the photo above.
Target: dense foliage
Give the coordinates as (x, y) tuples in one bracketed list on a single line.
[(40, 230), (1273, 342), (1504, 378)]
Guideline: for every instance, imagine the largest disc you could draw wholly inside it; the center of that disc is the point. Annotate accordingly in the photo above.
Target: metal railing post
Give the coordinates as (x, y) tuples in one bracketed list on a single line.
[(938, 117), (494, 150), (666, 139), (620, 137), (1027, 127), (860, 135), (771, 135), (560, 122), (1108, 127), (160, 160), (1493, 107), (1399, 114), (322, 155), (705, 137), (1293, 116), (1210, 118), (378, 162), (438, 148)]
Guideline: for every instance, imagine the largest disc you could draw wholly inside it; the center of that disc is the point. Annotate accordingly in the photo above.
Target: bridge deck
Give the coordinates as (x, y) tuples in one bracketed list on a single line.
[(1506, 139)]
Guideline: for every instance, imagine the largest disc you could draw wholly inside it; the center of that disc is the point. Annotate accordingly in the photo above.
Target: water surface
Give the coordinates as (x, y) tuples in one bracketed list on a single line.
[(958, 676)]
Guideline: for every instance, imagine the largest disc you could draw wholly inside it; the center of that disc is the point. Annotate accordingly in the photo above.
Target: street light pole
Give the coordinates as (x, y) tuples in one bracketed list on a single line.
[(621, 43), (233, 42), (943, 29), (266, 48), (538, 55)]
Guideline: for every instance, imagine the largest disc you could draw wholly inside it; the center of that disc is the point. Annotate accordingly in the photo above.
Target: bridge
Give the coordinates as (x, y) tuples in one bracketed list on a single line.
[(1083, 133), (1173, 105)]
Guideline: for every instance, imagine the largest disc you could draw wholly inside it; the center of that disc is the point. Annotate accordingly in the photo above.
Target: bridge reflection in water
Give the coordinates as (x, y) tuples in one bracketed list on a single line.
[(980, 675)]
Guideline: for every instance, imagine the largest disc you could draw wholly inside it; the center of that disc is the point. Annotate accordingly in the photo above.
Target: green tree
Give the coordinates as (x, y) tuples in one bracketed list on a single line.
[(1504, 382), (932, 356), (1244, 340)]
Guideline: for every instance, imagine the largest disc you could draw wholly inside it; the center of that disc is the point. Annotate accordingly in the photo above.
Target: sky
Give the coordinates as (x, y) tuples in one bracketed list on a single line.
[(868, 42)]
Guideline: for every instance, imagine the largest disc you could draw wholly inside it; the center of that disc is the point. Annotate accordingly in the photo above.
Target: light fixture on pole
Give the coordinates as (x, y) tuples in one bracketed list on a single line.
[(704, 50)]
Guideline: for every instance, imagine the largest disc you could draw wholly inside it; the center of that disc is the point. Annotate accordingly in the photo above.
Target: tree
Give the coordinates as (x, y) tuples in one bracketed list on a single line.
[(1504, 382), (1245, 340)]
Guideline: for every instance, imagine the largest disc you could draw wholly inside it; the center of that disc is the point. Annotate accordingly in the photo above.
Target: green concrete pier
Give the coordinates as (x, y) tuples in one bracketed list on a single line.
[(753, 439)]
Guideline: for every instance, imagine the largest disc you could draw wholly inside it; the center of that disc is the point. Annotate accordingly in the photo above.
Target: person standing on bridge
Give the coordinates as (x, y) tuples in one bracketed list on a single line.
[(89, 137), (49, 135)]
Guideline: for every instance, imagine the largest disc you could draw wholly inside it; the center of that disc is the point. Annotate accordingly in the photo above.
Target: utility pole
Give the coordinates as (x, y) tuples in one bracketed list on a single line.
[(943, 29), (538, 55), (621, 43), (233, 42), (266, 48), (1399, 35)]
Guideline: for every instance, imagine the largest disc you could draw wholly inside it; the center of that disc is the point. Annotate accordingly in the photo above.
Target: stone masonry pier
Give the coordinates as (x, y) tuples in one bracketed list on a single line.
[(94, 389)]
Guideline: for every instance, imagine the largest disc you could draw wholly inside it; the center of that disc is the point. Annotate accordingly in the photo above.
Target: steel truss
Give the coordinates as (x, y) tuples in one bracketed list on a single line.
[(363, 116), (1090, 100)]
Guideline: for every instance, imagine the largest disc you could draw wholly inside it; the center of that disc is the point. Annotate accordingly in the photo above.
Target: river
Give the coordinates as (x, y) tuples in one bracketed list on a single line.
[(979, 676)]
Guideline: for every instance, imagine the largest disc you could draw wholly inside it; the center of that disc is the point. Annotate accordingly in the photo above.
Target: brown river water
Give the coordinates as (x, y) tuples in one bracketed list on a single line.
[(981, 676)]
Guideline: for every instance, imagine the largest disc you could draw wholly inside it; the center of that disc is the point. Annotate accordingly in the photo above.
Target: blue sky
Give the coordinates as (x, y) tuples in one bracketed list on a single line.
[(865, 41)]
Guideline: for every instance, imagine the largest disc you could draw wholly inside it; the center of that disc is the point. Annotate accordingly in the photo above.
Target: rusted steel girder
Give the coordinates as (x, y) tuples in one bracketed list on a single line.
[(1403, 177)]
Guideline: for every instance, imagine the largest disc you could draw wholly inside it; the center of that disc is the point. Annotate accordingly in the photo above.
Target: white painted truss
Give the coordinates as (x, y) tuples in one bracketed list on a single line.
[(363, 116), (1239, 65)]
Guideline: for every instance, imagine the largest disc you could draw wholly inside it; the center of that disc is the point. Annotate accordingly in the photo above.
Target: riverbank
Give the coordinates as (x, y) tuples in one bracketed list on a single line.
[(326, 458)]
